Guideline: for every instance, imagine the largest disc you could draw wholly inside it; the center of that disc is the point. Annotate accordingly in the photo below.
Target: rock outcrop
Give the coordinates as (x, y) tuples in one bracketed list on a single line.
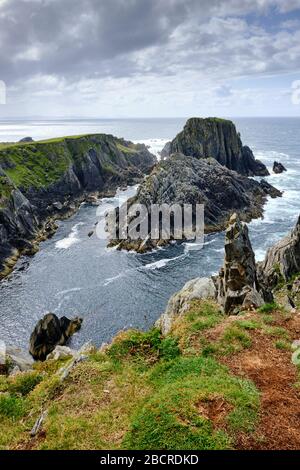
[(14, 360), (235, 288), (199, 288), (187, 180), (282, 261), (40, 180), (26, 140), (237, 282), (278, 168), (49, 332), (216, 138)]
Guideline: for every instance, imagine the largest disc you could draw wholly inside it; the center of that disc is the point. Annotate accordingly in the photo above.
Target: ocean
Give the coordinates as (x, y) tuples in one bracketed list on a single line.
[(73, 274)]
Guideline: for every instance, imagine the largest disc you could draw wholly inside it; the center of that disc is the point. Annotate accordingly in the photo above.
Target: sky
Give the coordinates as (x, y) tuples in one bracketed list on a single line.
[(149, 58)]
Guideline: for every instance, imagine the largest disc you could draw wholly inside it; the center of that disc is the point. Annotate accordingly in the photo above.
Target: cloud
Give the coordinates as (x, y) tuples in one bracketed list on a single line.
[(80, 48)]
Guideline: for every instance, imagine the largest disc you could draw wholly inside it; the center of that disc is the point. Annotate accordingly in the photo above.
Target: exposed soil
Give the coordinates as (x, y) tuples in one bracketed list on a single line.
[(275, 376)]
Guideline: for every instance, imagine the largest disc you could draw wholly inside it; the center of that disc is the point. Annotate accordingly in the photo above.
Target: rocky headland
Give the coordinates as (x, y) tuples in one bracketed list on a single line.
[(43, 181), (182, 179), (219, 139)]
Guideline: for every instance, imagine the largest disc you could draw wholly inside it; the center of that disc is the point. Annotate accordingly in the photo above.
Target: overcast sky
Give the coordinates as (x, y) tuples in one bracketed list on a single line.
[(148, 58)]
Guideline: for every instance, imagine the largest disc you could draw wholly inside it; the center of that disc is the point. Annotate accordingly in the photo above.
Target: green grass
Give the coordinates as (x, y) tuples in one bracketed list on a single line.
[(283, 345), (40, 164), (177, 416), (268, 308), (11, 406)]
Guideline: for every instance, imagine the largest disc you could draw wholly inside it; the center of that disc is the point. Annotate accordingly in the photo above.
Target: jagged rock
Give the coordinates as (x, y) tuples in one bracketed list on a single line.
[(166, 151), (187, 180), (237, 282), (58, 205), (217, 138), (26, 139), (270, 190), (61, 352), (14, 359), (49, 332), (278, 167), (70, 169), (282, 261), (199, 288)]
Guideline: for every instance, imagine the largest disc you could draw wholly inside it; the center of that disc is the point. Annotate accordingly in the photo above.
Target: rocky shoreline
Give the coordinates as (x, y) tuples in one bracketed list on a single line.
[(204, 164), (41, 182)]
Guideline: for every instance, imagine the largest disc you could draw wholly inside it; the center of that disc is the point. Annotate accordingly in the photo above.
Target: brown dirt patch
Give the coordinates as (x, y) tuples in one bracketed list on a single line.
[(214, 409), (275, 376)]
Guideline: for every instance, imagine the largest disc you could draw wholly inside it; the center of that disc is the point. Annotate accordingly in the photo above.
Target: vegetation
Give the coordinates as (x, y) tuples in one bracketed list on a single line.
[(146, 391), (39, 164)]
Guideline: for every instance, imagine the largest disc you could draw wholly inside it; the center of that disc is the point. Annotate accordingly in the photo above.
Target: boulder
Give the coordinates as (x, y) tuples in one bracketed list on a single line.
[(51, 331), (278, 168), (14, 359), (61, 352), (237, 282), (217, 138), (199, 288), (282, 260)]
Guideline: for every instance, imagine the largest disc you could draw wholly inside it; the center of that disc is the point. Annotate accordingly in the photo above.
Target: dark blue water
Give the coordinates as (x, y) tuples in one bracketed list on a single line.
[(77, 275)]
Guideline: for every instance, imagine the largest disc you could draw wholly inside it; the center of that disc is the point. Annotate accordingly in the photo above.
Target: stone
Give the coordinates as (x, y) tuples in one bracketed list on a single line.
[(26, 139), (217, 138), (183, 180), (282, 260), (58, 205), (199, 288), (278, 168), (61, 352), (237, 282), (49, 332), (18, 358)]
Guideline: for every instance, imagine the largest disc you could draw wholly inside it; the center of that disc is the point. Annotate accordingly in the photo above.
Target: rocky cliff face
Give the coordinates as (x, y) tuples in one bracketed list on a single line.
[(237, 283), (216, 138), (37, 178), (282, 261), (187, 180)]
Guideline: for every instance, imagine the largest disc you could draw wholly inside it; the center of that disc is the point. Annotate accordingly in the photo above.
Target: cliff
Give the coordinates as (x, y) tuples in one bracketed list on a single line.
[(180, 179), (38, 180), (216, 138), (210, 382)]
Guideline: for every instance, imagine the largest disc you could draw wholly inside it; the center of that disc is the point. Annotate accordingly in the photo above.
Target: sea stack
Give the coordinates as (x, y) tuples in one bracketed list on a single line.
[(219, 139)]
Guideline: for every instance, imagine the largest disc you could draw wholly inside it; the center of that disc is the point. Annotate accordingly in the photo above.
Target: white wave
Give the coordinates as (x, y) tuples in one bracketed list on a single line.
[(66, 291), (154, 145), (70, 240), (109, 280), (162, 262), (260, 254)]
